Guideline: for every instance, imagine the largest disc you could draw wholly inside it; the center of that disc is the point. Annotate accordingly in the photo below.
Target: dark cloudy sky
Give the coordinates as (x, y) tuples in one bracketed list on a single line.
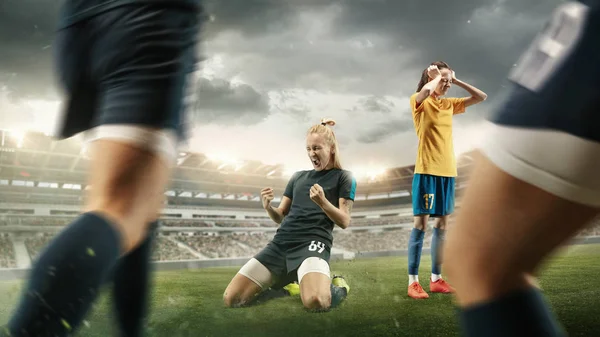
[(274, 67)]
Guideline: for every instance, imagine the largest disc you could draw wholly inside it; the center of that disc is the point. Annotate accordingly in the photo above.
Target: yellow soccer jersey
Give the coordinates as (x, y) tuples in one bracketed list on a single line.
[(433, 124)]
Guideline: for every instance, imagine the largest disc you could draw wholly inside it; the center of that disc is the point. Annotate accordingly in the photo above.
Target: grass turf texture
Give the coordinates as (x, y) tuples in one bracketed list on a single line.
[(189, 303)]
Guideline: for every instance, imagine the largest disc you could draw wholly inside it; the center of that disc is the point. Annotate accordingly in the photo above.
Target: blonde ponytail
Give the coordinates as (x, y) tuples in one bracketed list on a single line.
[(328, 122), (325, 129)]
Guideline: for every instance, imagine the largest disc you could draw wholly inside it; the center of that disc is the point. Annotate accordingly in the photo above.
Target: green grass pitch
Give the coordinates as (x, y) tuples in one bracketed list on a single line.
[(189, 303)]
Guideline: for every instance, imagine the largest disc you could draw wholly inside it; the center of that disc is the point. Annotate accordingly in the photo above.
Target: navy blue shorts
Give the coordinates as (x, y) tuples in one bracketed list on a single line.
[(546, 131), (555, 85), (433, 195), (283, 259), (127, 65)]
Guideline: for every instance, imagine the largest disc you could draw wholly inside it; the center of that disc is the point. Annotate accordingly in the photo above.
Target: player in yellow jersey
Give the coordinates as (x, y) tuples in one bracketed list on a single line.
[(435, 168)]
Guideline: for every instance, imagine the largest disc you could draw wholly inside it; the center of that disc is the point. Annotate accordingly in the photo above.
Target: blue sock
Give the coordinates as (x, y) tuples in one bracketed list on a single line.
[(338, 294), (521, 313), (415, 246), (66, 278), (436, 248), (131, 285)]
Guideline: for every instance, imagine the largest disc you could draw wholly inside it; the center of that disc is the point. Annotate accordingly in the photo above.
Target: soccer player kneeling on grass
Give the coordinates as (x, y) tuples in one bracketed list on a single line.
[(312, 203)]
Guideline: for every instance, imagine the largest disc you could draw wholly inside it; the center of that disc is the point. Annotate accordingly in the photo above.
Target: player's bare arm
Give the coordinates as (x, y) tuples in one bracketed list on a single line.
[(346, 205), (429, 88), (341, 217), (275, 213), (477, 96)]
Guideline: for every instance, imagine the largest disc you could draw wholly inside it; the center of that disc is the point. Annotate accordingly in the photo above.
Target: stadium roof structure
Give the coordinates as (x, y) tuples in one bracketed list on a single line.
[(30, 162)]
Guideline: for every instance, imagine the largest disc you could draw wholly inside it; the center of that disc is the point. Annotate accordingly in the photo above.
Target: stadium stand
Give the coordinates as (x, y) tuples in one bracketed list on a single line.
[(7, 252), (212, 210)]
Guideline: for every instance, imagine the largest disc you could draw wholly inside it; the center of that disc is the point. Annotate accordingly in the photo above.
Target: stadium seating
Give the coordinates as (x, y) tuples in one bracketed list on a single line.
[(212, 209), (244, 242)]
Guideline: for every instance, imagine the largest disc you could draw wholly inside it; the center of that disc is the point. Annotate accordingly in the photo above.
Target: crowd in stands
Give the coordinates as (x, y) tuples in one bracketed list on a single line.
[(36, 243), (7, 252), (167, 250), (205, 244), (216, 246), (235, 224), (373, 241), (255, 241), (185, 223), (382, 221), (30, 220)]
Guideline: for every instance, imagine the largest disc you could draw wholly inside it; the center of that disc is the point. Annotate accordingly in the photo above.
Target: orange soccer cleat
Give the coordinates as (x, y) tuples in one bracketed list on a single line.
[(416, 291), (440, 286)]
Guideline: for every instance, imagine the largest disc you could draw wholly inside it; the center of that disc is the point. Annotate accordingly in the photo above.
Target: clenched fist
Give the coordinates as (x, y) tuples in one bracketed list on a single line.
[(266, 196), (317, 195)]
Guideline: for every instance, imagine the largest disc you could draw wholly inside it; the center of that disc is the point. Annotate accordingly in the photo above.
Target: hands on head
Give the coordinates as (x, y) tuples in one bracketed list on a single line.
[(433, 72)]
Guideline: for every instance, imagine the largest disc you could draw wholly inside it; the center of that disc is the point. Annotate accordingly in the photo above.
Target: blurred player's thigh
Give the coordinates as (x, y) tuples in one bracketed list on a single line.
[(125, 74)]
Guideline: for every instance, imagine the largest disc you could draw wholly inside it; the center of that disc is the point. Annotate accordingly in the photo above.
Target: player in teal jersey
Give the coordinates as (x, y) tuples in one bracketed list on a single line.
[(313, 203)]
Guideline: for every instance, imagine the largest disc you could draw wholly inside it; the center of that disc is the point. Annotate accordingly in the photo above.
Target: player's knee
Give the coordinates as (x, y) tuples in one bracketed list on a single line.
[(132, 231), (313, 275), (317, 301), (127, 186), (232, 299), (441, 222), (233, 296), (420, 222)]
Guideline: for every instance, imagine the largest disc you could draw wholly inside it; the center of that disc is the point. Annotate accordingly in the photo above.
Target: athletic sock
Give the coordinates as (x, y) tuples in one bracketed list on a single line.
[(412, 279), (65, 280), (521, 313), (415, 246), (436, 248), (435, 277), (131, 285), (338, 294)]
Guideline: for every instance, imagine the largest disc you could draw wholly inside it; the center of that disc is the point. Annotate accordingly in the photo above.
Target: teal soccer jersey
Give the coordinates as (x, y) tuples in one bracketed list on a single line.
[(306, 220)]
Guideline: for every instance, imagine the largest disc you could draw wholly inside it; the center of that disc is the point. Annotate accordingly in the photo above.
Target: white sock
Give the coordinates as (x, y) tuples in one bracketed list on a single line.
[(412, 279), (435, 277)]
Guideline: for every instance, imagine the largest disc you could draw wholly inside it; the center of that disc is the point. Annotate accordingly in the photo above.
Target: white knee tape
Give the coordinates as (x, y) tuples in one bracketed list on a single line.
[(161, 142), (257, 273), (313, 265)]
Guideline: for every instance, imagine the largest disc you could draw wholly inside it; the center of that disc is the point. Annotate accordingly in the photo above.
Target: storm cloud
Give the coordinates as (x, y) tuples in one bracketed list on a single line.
[(219, 101), (285, 64)]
